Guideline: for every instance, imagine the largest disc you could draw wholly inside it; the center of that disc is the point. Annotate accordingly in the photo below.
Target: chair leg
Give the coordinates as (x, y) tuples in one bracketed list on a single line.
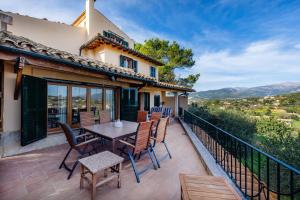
[(73, 168), (134, 167), (148, 150), (167, 149), (62, 163), (157, 161)]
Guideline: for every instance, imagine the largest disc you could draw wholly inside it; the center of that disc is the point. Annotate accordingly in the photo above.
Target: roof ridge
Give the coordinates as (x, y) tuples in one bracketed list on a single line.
[(44, 18)]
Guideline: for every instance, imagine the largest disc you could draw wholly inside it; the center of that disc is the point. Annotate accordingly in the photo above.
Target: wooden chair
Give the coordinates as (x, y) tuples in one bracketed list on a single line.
[(80, 143), (141, 143), (105, 116), (86, 119), (142, 116), (160, 137), (155, 116)]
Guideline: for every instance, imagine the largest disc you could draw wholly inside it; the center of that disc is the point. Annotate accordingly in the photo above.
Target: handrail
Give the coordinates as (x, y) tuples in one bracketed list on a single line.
[(234, 155), (297, 171)]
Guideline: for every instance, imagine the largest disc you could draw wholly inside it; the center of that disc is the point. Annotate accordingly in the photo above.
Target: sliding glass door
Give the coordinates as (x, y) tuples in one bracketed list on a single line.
[(96, 101), (57, 105), (79, 102), (66, 101), (110, 102)]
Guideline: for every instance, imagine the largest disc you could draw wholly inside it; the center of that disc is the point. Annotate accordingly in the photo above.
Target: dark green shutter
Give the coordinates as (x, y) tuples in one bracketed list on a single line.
[(135, 66), (121, 61), (34, 109)]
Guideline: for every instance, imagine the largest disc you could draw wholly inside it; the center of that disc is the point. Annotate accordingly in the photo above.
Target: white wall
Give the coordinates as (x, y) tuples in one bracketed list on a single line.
[(11, 107), (56, 35)]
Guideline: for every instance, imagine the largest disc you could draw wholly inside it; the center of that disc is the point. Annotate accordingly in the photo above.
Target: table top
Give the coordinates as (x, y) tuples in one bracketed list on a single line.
[(100, 161), (206, 187), (108, 130)]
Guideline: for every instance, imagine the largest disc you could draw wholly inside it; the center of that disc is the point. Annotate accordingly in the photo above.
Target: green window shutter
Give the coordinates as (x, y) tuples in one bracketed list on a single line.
[(33, 109), (153, 72), (121, 61), (135, 65)]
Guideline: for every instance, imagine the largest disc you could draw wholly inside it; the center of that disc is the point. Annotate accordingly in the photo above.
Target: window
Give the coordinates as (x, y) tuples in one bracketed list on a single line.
[(153, 72), (128, 63), (57, 105), (96, 101), (78, 103)]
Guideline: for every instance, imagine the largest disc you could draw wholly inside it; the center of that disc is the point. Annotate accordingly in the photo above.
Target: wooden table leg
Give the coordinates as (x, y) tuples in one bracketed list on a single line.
[(81, 176), (93, 186), (119, 174), (113, 146)]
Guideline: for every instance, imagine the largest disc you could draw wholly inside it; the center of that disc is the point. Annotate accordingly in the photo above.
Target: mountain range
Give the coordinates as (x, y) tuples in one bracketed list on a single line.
[(243, 92)]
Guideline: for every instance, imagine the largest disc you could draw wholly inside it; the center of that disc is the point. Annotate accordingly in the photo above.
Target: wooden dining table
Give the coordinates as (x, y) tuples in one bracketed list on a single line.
[(112, 133)]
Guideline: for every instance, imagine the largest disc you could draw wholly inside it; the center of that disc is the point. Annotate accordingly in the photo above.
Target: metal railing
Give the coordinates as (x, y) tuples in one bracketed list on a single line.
[(257, 174)]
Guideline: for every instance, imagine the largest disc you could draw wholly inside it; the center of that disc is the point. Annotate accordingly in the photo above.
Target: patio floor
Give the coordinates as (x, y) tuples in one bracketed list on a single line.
[(35, 175)]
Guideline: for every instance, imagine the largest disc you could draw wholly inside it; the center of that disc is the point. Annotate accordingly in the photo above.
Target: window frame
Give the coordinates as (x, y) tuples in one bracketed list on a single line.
[(152, 72), (134, 63), (88, 100)]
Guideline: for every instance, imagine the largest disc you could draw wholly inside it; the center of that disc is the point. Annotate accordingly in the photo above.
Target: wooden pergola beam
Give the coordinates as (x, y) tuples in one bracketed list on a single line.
[(19, 69)]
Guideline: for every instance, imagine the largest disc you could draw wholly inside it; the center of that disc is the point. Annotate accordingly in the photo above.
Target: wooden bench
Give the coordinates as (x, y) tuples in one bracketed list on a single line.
[(97, 163), (206, 188)]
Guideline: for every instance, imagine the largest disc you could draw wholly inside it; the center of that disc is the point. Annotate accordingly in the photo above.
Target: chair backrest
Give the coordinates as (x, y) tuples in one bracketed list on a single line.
[(155, 116), (142, 116), (104, 116), (68, 133), (161, 129), (86, 119), (167, 112), (142, 137), (156, 109)]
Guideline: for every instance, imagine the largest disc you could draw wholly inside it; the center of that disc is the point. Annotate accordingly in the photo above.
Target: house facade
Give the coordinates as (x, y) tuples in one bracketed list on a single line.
[(51, 71)]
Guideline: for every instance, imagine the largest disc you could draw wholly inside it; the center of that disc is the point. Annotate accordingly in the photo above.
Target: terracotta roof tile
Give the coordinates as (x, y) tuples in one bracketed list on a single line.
[(26, 45)]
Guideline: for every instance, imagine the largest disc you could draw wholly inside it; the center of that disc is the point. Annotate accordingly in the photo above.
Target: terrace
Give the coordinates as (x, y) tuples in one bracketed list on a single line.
[(35, 175), (211, 151)]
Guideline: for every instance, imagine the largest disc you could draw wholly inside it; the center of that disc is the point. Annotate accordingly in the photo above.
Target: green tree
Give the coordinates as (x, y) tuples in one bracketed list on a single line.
[(173, 56)]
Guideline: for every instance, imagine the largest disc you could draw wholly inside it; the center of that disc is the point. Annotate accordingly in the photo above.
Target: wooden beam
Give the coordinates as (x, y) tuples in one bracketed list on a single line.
[(18, 69)]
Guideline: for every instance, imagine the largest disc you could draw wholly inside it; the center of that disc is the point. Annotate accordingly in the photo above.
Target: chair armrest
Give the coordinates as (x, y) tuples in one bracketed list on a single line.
[(87, 142), (127, 143), (83, 135), (153, 138)]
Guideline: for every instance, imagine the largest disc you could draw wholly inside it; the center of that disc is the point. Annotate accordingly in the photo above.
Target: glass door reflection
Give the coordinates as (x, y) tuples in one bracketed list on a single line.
[(96, 101), (57, 105), (110, 102), (78, 103)]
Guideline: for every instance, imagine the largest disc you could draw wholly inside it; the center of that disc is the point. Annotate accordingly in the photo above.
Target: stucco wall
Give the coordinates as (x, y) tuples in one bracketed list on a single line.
[(52, 34), (11, 107), (169, 102), (101, 23), (183, 102), (111, 55)]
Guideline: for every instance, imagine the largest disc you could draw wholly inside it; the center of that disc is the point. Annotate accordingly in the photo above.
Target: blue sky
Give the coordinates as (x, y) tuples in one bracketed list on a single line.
[(237, 43)]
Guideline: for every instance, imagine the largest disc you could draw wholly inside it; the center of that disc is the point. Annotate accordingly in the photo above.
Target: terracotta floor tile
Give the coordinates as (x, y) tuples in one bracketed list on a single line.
[(35, 175)]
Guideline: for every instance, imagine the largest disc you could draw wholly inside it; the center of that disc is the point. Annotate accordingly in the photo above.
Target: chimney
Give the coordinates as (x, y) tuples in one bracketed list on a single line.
[(89, 14), (4, 20)]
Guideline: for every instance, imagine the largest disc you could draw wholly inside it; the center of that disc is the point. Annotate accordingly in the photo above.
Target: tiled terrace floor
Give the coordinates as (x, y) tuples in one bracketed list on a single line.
[(35, 175)]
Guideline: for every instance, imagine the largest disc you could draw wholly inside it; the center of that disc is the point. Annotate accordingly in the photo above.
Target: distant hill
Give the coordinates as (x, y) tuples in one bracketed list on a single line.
[(260, 91)]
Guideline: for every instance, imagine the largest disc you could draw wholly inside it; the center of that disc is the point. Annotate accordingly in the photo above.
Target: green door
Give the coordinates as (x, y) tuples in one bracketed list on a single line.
[(129, 104), (34, 109)]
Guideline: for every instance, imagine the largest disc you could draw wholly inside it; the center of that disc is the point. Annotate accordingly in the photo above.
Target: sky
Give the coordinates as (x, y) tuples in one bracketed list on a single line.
[(236, 43)]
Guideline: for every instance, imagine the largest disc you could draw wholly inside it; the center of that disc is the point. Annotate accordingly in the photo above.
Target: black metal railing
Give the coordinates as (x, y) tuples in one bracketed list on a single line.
[(257, 174)]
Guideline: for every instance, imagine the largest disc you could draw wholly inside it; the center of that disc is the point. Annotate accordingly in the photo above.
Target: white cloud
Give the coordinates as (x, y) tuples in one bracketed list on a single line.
[(262, 62)]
